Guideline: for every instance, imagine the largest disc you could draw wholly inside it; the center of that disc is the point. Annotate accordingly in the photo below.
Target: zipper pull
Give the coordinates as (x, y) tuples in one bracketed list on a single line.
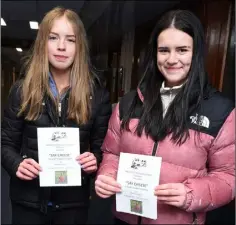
[(59, 109)]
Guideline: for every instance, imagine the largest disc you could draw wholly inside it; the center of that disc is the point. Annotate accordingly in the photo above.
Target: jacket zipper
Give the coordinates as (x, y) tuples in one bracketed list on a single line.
[(153, 154), (59, 109), (46, 191), (59, 113), (154, 151), (195, 221)]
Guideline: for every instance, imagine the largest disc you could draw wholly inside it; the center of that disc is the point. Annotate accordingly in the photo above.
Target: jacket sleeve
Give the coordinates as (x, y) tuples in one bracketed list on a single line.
[(218, 187), (11, 136), (111, 146), (100, 125)]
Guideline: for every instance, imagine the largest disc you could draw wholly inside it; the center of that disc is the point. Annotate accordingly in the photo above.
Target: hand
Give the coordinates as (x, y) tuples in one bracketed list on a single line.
[(172, 194), (106, 186), (88, 162), (28, 169)]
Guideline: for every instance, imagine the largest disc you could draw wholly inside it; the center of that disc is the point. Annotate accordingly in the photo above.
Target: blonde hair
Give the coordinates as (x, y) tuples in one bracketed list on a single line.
[(36, 82)]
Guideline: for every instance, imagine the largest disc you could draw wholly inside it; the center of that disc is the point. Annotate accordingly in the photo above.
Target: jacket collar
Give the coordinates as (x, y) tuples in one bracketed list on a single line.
[(53, 88), (165, 89), (208, 90)]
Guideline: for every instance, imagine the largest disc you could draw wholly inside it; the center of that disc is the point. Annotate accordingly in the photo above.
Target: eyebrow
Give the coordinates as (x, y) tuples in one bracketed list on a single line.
[(164, 47), (184, 46), (69, 35)]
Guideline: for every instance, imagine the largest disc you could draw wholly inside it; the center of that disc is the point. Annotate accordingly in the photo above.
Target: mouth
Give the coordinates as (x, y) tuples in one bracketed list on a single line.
[(60, 57), (173, 69)]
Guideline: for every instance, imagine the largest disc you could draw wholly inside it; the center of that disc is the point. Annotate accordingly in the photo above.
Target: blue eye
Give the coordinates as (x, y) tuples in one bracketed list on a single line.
[(71, 40), (52, 38)]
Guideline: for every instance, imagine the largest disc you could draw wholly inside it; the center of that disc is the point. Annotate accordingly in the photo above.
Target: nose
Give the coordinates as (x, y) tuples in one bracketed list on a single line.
[(172, 58), (61, 45)]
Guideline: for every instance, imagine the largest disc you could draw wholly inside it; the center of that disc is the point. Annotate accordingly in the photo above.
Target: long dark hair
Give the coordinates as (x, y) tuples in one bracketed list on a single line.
[(190, 95)]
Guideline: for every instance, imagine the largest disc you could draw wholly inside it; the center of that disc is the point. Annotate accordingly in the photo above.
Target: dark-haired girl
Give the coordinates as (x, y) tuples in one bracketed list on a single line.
[(177, 115)]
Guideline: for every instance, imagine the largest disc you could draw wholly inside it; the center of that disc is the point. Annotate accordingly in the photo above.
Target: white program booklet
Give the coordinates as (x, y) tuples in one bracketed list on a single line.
[(138, 176), (57, 149)]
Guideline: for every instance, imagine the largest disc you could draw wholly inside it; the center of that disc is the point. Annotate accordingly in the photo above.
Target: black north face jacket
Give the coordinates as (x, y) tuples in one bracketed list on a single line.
[(19, 140)]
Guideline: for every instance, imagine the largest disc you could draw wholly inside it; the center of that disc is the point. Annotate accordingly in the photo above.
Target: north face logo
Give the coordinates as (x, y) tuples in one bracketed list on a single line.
[(200, 120)]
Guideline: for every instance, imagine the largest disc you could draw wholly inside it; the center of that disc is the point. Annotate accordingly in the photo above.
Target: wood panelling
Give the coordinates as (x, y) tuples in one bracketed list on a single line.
[(141, 39), (228, 88), (8, 77), (217, 25)]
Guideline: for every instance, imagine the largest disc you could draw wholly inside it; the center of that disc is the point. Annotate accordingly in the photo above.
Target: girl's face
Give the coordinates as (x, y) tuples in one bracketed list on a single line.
[(174, 55), (61, 44)]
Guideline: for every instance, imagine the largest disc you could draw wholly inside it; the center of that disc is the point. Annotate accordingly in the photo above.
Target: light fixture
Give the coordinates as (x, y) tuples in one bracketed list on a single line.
[(34, 25), (19, 49), (3, 22)]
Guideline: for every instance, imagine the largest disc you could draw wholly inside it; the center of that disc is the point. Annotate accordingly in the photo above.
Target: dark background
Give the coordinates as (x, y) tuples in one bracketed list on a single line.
[(107, 24)]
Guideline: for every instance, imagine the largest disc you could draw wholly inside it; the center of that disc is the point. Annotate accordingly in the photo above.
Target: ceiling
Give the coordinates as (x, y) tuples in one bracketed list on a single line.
[(17, 15)]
